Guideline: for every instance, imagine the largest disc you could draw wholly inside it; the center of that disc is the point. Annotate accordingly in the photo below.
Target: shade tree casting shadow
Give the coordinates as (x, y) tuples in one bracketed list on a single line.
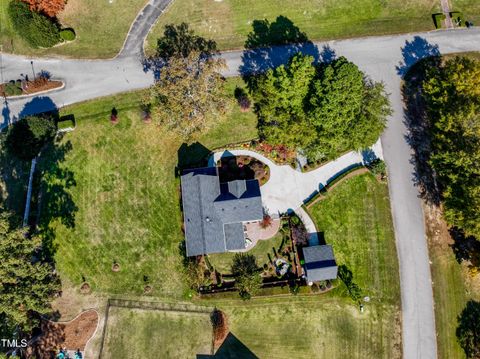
[(468, 330), (414, 51), (271, 44), (466, 248), (416, 121), (231, 348)]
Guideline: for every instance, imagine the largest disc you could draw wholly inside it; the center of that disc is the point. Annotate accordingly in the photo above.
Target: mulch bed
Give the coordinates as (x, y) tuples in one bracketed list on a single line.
[(71, 335), (34, 87), (243, 167)]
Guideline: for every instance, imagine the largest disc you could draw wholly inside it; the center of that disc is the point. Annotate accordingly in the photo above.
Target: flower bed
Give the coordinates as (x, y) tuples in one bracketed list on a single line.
[(19, 87)]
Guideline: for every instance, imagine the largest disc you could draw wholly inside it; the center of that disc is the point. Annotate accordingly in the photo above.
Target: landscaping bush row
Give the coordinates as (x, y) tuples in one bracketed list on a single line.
[(437, 20), (37, 29)]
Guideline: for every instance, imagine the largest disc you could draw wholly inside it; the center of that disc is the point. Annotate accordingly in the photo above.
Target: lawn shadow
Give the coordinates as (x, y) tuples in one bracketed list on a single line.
[(416, 121), (194, 155), (465, 248), (53, 199), (271, 44), (468, 329), (6, 116), (39, 105), (414, 51), (231, 348)]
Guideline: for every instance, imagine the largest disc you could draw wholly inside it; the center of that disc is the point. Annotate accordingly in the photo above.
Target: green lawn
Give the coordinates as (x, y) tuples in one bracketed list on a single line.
[(470, 9), (135, 333), (229, 21), (101, 28), (223, 261), (452, 288), (127, 197), (355, 219)]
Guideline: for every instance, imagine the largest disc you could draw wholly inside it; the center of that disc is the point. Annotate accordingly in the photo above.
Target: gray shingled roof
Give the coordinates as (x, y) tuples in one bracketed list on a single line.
[(214, 212), (319, 263)]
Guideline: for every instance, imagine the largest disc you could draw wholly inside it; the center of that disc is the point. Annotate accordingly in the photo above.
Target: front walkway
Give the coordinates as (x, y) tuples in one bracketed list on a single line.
[(287, 189)]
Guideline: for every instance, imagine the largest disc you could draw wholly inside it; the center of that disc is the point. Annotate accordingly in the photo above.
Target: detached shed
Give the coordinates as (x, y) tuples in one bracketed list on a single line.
[(319, 263)]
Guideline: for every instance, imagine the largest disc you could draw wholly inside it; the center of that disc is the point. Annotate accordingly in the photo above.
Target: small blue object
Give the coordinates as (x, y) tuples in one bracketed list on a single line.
[(60, 355)]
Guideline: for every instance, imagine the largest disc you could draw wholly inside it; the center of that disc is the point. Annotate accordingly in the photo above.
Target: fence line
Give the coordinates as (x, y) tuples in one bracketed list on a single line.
[(29, 193)]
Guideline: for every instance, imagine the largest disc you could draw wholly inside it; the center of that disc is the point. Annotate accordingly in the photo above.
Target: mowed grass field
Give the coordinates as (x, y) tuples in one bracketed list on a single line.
[(470, 9), (355, 219), (137, 333), (101, 28), (127, 196), (284, 328), (229, 21)]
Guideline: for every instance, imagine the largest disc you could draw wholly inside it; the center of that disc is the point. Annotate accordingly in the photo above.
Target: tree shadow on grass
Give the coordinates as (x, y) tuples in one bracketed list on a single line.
[(465, 248), (231, 348), (468, 330), (271, 44), (193, 155), (54, 200), (414, 72)]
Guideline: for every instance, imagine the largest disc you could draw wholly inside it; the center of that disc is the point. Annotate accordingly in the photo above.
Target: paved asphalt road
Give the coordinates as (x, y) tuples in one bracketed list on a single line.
[(383, 58)]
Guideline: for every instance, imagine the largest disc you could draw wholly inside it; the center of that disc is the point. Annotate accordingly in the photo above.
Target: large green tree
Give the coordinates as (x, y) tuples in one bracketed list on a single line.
[(468, 330), (28, 136), (323, 109), (247, 276), (188, 96), (27, 285), (279, 98), (452, 95), (37, 29)]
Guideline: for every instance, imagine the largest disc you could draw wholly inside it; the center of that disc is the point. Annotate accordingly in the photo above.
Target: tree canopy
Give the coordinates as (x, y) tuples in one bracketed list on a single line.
[(188, 94), (26, 284), (48, 7), (468, 330), (27, 136), (247, 277), (179, 40), (37, 29), (323, 109), (452, 96)]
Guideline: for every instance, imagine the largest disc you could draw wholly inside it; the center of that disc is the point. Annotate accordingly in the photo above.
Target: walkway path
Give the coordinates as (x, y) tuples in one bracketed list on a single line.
[(384, 58), (446, 12)]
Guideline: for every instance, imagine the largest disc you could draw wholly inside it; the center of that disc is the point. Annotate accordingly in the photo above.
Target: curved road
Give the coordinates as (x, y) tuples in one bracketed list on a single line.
[(383, 58)]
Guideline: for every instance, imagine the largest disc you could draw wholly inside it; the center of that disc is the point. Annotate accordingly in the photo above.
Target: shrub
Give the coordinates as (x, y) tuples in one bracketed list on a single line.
[(437, 20), (27, 137), (67, 34), (378, 168), (12, 89), (37, 29)]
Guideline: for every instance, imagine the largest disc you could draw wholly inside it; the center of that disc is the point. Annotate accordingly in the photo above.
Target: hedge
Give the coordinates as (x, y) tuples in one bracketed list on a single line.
[(13, 88), (37, 29), (437, 20), (67, 34), (457, 18)]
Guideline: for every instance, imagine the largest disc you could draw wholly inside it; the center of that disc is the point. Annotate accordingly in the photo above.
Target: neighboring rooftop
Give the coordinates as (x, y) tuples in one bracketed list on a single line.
[(319, 263), (214, 212)]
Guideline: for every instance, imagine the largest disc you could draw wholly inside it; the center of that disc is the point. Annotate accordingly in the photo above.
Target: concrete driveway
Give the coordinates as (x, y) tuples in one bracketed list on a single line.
[(288, 189)]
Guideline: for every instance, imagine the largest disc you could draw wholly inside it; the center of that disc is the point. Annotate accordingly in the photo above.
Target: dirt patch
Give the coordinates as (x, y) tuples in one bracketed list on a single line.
[(70, 335), (440, 239)]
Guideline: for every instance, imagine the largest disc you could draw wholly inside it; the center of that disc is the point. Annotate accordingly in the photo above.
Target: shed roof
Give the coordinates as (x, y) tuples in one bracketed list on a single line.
[(320, 263)]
